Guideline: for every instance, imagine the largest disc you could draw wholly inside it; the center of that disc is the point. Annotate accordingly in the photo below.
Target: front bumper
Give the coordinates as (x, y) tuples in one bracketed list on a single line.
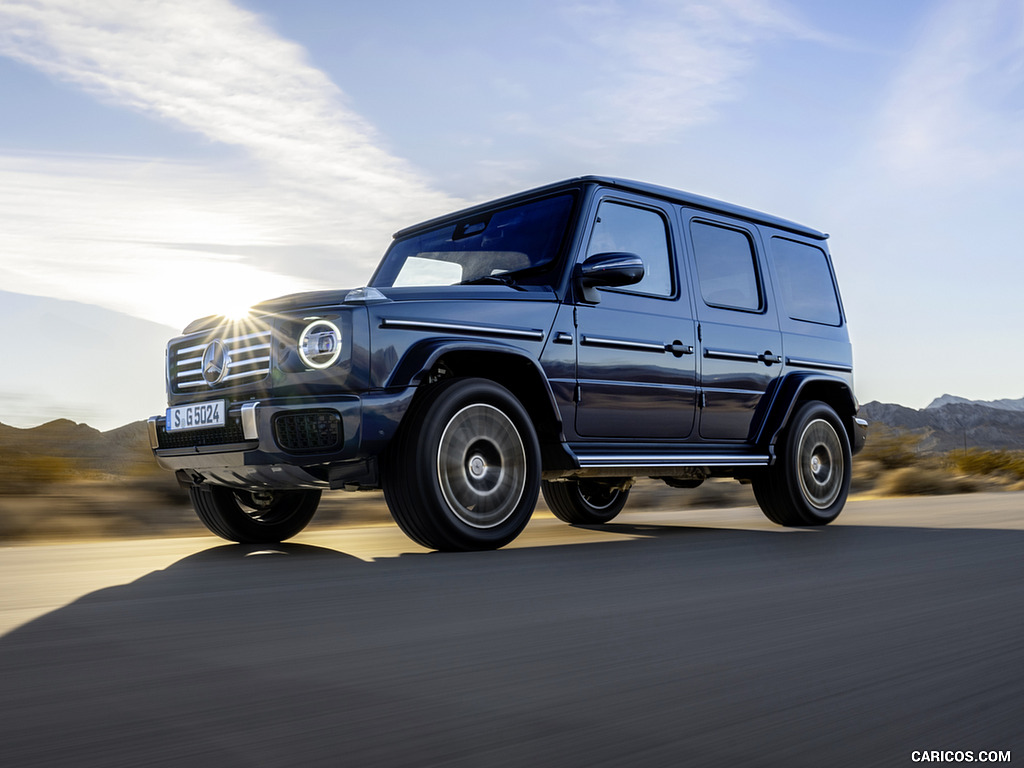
[(287, 443)]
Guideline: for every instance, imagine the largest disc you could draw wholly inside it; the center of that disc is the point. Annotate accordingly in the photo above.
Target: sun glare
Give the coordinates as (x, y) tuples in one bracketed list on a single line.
[(230, 290), (236, 310)]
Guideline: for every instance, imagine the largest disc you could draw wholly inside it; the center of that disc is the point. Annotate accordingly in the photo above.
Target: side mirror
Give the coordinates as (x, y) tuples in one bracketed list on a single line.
[(608, 270)]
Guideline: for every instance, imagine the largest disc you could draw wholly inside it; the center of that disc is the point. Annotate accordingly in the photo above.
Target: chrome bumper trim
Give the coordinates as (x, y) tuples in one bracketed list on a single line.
[(249, 427)]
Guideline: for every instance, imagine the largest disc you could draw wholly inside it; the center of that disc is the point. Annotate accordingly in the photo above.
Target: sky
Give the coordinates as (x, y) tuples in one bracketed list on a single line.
[(166, 159)]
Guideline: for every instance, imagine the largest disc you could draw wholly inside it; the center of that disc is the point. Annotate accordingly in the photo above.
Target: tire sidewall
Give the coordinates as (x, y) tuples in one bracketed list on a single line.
[(219, 510), (452, 398), (567, 503)]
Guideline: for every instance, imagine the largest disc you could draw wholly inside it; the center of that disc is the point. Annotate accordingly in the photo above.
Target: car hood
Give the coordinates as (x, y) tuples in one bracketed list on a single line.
[(333, 298)]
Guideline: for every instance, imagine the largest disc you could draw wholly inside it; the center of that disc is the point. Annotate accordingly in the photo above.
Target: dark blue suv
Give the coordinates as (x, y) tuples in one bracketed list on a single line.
[(565, 340)]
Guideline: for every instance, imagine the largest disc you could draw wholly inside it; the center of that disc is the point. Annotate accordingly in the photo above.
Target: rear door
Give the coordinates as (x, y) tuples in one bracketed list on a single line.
[(740, 344), (635, 349)]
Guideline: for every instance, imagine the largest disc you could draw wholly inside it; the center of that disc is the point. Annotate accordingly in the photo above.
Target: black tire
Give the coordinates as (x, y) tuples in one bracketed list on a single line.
[(463, 472), (584, 502), (810, 480), (253, 517)]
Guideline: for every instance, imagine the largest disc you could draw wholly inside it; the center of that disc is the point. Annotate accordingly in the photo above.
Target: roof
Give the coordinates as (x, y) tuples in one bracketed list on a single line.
[(653, 190)]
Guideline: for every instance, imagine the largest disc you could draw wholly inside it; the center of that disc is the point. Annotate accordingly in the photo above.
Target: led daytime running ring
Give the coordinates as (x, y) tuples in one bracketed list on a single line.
[(315, 333)]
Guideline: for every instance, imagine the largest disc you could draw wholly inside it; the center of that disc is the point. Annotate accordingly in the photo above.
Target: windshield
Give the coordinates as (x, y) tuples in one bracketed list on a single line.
[(503, 245)]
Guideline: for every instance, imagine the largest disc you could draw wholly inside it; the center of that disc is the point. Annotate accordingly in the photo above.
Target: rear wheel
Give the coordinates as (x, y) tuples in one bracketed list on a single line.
[(253, 516), (810, 480), (584, 502), (463, 472)]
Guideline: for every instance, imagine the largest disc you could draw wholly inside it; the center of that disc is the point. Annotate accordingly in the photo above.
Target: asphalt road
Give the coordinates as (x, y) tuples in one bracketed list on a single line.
[(704, 638)]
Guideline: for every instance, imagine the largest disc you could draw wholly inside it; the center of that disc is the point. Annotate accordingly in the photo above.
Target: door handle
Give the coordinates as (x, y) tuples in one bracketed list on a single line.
[(679, 349), (768, 358)]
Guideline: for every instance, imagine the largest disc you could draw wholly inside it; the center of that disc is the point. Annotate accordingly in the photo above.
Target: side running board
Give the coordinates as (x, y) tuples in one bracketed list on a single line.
[(623, 457)]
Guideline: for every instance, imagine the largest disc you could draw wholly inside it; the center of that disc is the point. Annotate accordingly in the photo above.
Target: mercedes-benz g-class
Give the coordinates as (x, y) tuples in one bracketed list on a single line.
[(565, 340)]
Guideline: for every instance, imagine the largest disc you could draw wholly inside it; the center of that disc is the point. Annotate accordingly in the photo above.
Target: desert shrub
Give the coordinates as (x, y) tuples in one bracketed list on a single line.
[(977, 462), (22, 474), (865, 476), (890, 448), (923, 481), (163, 487)]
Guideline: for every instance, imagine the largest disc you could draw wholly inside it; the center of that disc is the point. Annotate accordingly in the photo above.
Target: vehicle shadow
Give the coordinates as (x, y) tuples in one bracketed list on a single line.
[(679, 645)]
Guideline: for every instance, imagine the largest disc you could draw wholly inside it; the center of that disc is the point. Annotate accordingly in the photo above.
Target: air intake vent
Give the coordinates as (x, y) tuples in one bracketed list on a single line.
[(232, 432), (199, 366), (308, 431)]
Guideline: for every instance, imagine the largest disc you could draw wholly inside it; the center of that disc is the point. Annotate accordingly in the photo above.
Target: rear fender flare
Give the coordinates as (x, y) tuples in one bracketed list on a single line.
[(781, 401)]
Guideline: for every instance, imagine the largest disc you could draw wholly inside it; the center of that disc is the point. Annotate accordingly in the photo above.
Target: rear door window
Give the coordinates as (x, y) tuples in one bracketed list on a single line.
[(726, 267)]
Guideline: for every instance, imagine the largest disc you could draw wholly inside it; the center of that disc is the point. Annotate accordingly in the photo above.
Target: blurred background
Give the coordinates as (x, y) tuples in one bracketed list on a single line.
[(63, 480)]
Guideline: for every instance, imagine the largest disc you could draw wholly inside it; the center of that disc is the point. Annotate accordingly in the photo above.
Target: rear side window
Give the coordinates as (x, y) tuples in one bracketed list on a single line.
[(808, 292), (726, 267)]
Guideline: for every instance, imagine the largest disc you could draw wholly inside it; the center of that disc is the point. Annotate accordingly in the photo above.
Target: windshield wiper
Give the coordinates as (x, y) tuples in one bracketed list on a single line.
[(509, 278), (500, 279)]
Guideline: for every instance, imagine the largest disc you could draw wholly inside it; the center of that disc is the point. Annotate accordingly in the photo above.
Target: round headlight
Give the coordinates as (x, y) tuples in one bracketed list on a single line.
[(320, 344)]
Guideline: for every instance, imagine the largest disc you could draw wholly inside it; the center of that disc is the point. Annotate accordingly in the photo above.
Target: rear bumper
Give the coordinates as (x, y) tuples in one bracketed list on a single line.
[(287, 443), (860, 434)]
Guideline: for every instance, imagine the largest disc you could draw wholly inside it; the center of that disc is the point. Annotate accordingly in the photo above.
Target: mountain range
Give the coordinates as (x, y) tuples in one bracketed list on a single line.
[(952, 423), (1003, 405), (117, 451)]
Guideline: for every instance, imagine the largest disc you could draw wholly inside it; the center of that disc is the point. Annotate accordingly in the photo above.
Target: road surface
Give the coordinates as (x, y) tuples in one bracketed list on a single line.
[(698, 638)]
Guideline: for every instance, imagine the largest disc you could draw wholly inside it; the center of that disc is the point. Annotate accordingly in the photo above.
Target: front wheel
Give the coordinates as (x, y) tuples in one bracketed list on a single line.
[(463, 473), (253, 517), (810, 480), (584, 502)]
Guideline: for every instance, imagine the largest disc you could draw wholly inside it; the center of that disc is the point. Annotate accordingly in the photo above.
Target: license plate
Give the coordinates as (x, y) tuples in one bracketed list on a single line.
[(195, 416)]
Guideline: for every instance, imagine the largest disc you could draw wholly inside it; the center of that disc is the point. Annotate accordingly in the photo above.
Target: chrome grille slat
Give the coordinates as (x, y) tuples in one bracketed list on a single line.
[(242, 375), (240, 363), (248, 358), (253, 348)]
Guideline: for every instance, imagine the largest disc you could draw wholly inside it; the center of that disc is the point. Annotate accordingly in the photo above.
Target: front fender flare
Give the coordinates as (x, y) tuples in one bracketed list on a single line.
[(420, 359)]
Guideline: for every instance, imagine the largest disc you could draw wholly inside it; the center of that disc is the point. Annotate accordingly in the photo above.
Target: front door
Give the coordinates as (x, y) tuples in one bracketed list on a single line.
[(635, 348)]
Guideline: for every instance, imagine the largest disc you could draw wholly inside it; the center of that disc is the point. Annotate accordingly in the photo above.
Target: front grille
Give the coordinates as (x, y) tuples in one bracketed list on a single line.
[(247, 358), (306, 431), (230, 433)]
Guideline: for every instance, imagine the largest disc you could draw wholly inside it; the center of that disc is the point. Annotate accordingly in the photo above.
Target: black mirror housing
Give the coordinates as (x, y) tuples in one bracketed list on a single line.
[(608, 270)]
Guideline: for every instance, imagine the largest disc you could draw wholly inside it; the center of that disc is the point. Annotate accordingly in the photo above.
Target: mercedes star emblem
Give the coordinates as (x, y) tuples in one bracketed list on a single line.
[(215, 362)]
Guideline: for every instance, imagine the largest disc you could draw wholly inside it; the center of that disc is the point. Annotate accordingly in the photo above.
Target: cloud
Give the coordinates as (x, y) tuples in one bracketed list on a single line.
[(108, 231), (667, 66), (956, 108), (210, 67), (316, 183)]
